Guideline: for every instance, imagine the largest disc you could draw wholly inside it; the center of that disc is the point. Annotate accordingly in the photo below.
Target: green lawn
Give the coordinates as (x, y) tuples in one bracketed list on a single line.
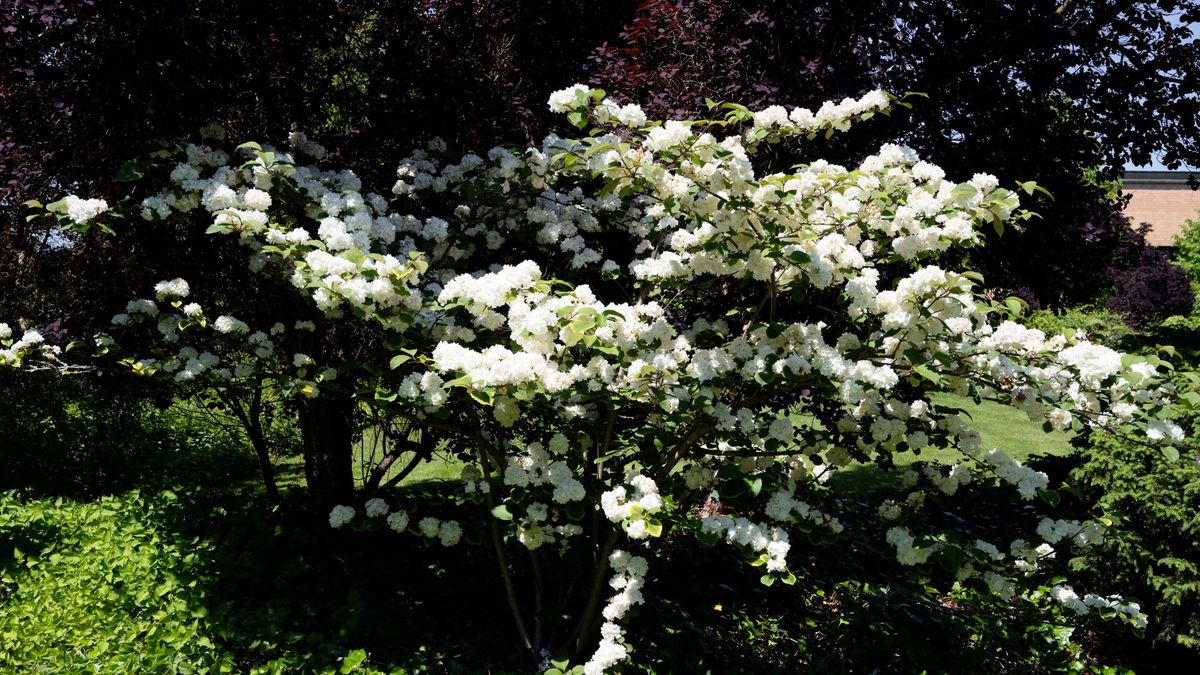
[(1000, 426)]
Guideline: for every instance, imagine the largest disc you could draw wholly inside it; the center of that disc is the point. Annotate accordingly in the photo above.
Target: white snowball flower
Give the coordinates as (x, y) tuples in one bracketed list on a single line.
[(376, 508), (81, 211), (340, 515), (565, 100), (397, 521), (175, 288)]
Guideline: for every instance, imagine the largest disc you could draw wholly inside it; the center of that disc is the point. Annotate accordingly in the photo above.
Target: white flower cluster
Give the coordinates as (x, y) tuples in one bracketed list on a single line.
[(398, 520), (230, 325), (771, 542), (783, 506), (447, 532), (1066, 596), (82, 211), (571, 98), (1094, 362), (830, 115), (632, 508), (1027, 481), (376, 508), (490, 291), (907, 552), (174, 289), (31, 343), (1027, 558), (1164, 431), (341, 515), (948, 483), (1080, 534), (538, 467), (533, 530), (629, 574)]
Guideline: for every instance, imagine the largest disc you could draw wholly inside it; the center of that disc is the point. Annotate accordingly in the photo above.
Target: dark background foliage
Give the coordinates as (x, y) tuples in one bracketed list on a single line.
[(1040, 90)]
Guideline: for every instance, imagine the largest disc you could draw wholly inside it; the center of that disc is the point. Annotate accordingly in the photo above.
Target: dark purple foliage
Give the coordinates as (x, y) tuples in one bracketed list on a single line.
[(1151, 290)]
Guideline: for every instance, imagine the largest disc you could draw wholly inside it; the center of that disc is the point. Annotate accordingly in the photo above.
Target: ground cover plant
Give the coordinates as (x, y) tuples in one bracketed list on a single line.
[(613, 333)]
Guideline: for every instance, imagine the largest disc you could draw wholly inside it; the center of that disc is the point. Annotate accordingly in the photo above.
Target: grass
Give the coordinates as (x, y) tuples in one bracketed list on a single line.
[(289, 469), (999, 425)]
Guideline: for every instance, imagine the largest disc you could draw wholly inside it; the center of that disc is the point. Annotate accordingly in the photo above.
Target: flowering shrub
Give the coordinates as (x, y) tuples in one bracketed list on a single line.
[(637, 331)]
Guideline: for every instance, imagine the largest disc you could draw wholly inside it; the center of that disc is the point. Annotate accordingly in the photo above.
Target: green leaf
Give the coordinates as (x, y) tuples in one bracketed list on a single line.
[(767, 579), (250, 146), (799, 258), (217, 229), (654, 527), (929, 374), (577, 119), (399, 360), (1051, 497), (755, 486), (129, 171), (502, 513), (1016, 306), (964, 191), (463, 381), (732, 489), (1170, 452), (353, 660)]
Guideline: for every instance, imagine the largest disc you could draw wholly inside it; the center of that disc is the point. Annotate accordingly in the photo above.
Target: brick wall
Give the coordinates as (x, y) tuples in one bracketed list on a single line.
[(1163, 200)]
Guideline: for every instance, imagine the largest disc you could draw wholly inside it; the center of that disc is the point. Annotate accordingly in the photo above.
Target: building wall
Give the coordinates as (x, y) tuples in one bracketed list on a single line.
[(1166, 204)]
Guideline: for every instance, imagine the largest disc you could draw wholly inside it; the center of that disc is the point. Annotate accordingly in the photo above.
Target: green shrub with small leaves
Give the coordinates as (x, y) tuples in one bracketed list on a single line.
[(1154, 548)]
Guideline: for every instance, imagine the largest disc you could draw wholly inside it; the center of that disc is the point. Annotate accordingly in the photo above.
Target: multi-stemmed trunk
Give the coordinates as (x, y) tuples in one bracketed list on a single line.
[(327, 434)]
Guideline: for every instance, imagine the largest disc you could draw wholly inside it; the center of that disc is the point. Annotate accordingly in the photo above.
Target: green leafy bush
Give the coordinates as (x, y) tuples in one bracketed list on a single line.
[(1187, 255), (95, 587), (80, 437)]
